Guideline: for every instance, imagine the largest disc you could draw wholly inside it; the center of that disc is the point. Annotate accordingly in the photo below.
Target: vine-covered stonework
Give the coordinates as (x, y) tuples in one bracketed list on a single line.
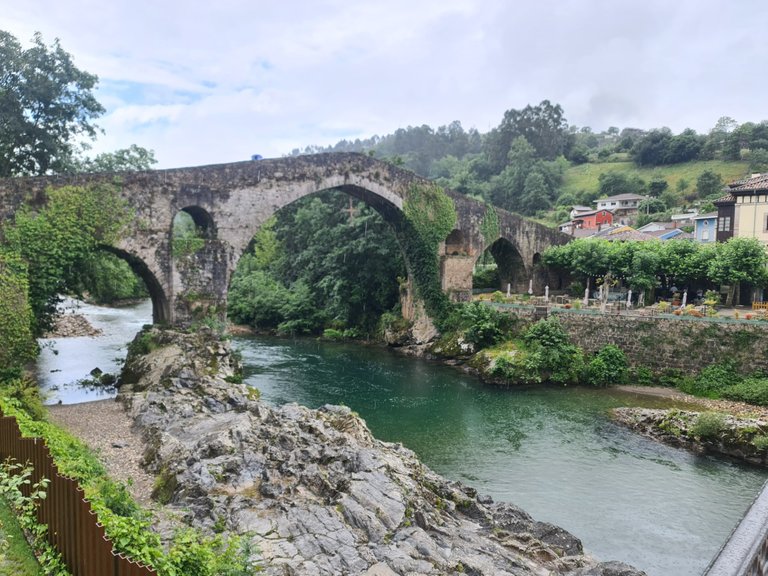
[(430, 215)]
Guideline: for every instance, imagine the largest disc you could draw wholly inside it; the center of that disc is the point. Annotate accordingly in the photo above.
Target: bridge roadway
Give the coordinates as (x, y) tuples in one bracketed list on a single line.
[(229, 202)]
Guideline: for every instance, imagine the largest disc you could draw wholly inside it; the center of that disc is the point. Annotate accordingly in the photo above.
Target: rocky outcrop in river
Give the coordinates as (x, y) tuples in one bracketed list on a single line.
[(744, 439), (317, 492)]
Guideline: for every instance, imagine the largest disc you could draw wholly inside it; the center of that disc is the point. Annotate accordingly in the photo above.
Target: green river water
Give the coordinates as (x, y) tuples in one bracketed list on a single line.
[(552, 451)]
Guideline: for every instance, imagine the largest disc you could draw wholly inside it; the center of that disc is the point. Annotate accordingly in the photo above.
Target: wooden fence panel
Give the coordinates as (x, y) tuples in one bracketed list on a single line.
[(73, 528)]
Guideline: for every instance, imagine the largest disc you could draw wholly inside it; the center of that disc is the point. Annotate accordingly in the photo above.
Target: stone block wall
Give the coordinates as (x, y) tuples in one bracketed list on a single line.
[(686, 344)]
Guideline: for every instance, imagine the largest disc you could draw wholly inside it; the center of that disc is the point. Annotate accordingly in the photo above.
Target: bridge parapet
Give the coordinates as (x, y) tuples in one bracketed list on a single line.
[(745, 553)]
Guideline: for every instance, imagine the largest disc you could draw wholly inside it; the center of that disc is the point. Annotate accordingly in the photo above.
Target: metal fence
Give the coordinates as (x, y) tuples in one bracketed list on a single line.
[(73, 528)]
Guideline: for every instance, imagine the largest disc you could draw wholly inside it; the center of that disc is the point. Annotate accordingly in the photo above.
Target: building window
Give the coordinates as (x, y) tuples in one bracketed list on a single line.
[(724, 224)]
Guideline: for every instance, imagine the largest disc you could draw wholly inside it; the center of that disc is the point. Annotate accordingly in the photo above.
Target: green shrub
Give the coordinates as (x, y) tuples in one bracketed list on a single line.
[(484, 326), (751, 391), (333, 334), (486, 277), (559, 360), (609, 366), (497, 297), (642, 376), (522, 367), (760, 441), (708, 425), (712, 381)]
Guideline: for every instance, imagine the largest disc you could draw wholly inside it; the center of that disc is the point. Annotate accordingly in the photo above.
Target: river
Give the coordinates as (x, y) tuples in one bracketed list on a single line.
[(552, 451)]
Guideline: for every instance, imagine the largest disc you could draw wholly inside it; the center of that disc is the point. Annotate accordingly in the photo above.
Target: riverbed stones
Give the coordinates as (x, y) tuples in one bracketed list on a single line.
[(317, 493)]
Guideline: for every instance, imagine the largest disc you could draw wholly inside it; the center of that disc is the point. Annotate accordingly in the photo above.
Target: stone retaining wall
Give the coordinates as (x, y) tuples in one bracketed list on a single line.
[(686, 344)]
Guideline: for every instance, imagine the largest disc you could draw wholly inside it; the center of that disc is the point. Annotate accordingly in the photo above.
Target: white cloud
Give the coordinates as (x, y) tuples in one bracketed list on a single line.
[(212, 82)]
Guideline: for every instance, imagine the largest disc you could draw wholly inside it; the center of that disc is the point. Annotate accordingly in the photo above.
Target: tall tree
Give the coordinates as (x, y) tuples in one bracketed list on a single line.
[(543, 126), (46, 103), (123, 160)]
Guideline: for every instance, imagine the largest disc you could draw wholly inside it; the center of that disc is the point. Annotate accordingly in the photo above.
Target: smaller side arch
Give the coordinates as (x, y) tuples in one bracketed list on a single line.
[(510, 265), (455, 243), (205, 227), (161, 311)]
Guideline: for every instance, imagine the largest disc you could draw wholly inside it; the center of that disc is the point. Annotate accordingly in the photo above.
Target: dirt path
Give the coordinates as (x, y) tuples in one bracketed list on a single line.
[(106, 428)]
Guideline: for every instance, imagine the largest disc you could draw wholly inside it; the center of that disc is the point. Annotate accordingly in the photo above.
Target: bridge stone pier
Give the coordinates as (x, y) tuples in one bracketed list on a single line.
[(229, 202)]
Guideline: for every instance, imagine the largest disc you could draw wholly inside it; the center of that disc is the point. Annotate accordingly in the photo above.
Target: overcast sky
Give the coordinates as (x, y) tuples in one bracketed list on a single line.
[(207, 82)]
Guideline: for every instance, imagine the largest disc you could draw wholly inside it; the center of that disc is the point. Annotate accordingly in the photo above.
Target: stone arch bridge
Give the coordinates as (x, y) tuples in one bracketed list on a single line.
[(229, 202)]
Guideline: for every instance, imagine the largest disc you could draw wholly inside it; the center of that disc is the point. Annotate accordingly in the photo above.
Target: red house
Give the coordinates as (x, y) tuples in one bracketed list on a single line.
[(593, 220)]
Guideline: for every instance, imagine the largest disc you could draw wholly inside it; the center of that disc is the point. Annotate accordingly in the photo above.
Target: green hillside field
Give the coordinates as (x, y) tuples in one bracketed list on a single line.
[(585, 176)]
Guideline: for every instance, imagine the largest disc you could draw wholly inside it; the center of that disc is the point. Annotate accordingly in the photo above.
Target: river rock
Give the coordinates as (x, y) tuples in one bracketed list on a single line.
[(69, 325), (317, 493), (744, 439)]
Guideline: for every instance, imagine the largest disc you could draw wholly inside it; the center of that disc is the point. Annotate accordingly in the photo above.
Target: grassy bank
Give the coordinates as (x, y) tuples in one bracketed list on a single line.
[(16, 556), (586, 176)]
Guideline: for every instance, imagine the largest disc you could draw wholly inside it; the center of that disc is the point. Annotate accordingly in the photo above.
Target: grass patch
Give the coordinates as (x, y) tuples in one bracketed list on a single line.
[(16, 557), (585, 176)]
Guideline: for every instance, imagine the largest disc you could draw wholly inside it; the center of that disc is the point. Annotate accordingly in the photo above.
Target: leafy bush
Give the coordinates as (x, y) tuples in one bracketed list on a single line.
[(760, 441), (483, 325), (609, 366), (751, 390), (520, 367), (712, 381), (559, 360), (333, 334), (641, 376), (486, 277), (708, 425), (256, 298)]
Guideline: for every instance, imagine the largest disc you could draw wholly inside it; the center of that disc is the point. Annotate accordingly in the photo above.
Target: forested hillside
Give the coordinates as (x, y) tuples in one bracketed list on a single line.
[(538, 165)]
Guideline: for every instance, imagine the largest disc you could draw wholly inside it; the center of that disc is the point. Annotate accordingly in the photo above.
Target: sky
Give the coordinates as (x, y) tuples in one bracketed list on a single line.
[(210, 82)]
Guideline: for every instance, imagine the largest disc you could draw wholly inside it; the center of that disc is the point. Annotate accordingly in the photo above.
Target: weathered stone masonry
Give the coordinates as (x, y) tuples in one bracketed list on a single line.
[(229, 202), (672, 343)]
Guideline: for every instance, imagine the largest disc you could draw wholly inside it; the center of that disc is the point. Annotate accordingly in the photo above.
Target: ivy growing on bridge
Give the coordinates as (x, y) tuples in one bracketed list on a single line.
[(489, 227), (430, 216)]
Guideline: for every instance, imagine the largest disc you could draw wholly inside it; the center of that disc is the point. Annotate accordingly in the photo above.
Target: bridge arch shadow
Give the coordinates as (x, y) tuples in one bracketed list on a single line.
[(511, 269), (160, 304)]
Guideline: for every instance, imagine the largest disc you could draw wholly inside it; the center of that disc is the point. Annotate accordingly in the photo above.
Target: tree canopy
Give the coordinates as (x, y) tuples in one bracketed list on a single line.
[(645, 265), (46, 104)]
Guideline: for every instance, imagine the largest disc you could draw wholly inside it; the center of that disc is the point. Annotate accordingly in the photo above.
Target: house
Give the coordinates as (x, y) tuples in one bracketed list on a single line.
[(623, 206), (656, 227), (576, 210), (726, 216), (743, 211), (621, 233), (684, 219), (705, 227), (593, 219), (586, 220), (671, 234)]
